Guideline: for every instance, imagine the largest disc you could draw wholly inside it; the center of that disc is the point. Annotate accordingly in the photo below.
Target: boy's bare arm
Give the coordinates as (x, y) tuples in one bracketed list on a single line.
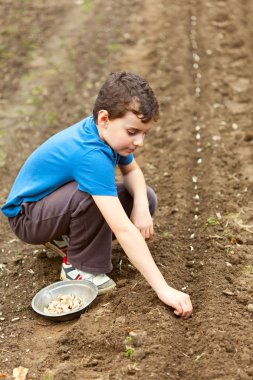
[(135, 184), (137, 251)]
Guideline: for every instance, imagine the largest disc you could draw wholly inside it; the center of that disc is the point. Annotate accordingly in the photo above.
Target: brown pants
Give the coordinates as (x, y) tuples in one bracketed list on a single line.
[(68, 211)]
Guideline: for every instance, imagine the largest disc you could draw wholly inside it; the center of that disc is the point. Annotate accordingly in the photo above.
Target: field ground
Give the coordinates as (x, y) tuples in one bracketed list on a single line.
[(197, 55)]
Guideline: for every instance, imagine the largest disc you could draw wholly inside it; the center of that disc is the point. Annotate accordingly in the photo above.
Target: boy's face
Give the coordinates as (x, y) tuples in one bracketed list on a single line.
[(124, 134)]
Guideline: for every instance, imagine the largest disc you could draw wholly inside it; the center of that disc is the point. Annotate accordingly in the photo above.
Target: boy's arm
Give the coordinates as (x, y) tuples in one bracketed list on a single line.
[(138, 253), (134, 182)]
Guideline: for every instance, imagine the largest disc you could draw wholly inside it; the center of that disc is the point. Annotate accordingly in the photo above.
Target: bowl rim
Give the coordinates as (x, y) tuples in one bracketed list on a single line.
[(67, 283)]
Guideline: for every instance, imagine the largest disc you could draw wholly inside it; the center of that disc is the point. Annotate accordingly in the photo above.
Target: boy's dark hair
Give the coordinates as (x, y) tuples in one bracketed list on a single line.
[(123, 92)]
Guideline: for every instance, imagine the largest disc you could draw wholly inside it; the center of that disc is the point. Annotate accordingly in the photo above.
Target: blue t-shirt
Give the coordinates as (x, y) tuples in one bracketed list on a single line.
[(74, 154)]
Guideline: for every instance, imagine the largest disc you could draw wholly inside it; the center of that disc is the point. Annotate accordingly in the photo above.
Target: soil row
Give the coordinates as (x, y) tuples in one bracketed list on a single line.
[(198, 157)]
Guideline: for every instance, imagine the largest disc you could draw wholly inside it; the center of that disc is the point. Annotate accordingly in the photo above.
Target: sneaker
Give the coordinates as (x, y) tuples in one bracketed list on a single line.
[(102, 281), (58, 246)]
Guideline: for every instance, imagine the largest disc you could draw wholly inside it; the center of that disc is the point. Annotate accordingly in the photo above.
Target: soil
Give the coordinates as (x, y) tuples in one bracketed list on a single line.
[(197, 55)]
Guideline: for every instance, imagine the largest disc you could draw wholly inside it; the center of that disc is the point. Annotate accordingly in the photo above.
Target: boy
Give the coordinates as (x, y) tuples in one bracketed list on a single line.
[(67, 187)]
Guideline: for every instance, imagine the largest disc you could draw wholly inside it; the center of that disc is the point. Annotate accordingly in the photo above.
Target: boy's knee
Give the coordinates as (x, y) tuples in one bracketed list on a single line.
[(152, 199)]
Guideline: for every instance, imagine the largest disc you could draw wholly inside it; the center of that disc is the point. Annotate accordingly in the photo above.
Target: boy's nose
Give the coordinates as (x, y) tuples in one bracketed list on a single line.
[(139, 140)]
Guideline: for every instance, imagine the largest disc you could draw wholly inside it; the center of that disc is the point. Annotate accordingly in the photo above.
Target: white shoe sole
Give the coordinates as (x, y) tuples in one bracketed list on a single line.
[(101, 290)]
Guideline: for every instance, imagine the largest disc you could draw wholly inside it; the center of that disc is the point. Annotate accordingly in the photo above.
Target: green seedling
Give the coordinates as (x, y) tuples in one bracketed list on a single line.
[(28, 44), (248, 269), (3, 156), (48, 377), (78, 364), (101, 61), (11, 29), (2, 47), (114, 47), (226, 232), (87, 4), (36, 95), (129, 351), (51, 118), (99, 17), (8, 54), (22, 308), (212, 221), (72, 53), (28, 77)]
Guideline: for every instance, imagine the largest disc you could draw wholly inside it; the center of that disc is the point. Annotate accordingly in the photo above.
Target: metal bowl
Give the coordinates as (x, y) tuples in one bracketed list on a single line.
[(84, 289)]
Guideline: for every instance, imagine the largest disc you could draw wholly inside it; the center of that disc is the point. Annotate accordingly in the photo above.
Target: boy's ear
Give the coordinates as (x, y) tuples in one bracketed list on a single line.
[(103, 118)]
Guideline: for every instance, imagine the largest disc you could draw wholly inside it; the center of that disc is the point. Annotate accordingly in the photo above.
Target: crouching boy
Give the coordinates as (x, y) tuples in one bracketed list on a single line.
[(67, 188)]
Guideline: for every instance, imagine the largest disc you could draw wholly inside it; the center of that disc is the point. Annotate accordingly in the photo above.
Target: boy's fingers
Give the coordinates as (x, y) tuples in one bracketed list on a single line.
[(150, 232), (142, 231), (178, 312), (184, 310), (147, 232), (187, 315), (187, 310)]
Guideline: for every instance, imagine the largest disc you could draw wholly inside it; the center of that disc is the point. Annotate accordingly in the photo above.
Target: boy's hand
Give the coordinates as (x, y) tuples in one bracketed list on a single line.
[(142, 219), (180, 301)]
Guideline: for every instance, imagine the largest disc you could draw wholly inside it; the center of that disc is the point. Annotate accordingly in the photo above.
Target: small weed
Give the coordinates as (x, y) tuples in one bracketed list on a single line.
[(70, 88), (226, 232), (129, 351), (8, 54), (133, 368), (3, 156), (212, 221), (228, 249), (248, 269), (165, 234), (37, 93), (72, 53), (51, 118), (2, 47), (87, 4), (48, 377), (77, 363), (208, 145), (114, 47), (28, 76), (11, 30), (101, 61), (38, 90), (22, 308), (99, 17), (28, 44)]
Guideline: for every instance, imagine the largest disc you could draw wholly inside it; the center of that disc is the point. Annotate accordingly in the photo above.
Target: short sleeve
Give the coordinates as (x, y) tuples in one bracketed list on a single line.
[(125, 160), (94, 173)]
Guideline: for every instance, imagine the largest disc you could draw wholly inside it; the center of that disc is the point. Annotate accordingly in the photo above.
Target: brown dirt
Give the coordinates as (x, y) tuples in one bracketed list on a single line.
[(198, 57)]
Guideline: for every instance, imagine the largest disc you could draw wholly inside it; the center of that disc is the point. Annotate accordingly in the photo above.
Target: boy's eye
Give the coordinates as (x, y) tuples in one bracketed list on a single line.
[(131, 133)]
